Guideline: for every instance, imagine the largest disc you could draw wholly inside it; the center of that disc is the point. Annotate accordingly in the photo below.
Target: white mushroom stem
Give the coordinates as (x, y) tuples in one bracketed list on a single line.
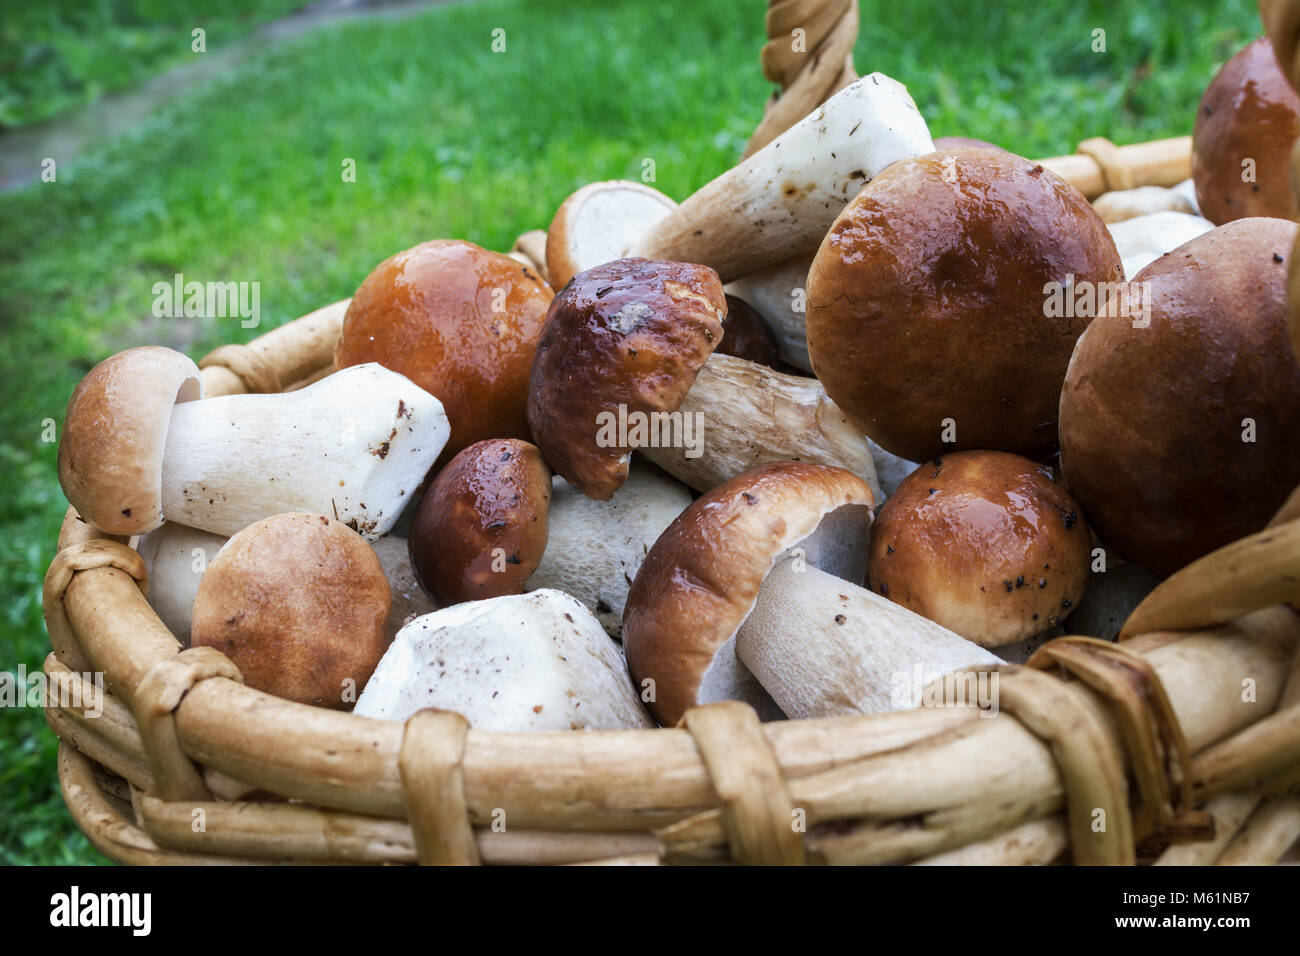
[(353, 446), (782, 200), (595, 548), (780, 295), (1121, 204), (176, 557), (535, 661), (740, 414), (1144, 239), (823, 647)]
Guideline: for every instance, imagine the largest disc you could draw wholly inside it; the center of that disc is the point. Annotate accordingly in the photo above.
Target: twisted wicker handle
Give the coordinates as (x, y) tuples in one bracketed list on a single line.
[(809, 54)]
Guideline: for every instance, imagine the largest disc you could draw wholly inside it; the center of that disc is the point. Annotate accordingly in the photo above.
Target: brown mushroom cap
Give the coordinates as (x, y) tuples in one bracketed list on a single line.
[(983, 542), (1249, 112), (481, 528), (114, 435), (299, 603), (746, 335), (459, 321), (632, 333), (1153, 419), (700, 580), (927, 301)]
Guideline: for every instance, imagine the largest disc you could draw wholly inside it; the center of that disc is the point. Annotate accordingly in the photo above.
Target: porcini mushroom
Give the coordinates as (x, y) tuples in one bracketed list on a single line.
[(1179, 430), (481, 527), (617, 367), (535, 661), (759, 578), (114, 435), (492, 523), (136, 448), (298, 602), (1241, 145), (930, 314), (985, 543), (597, 223), (459, 321)]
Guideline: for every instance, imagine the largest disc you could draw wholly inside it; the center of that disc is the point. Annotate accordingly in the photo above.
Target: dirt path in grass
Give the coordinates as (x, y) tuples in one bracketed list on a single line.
[(66, 137)]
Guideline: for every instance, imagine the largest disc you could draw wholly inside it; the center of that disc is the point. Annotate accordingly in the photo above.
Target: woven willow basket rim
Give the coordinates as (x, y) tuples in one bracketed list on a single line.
[(188, 740)]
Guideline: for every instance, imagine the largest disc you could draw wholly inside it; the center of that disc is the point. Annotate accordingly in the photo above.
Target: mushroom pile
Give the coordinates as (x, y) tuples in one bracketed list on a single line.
[(864, 411)]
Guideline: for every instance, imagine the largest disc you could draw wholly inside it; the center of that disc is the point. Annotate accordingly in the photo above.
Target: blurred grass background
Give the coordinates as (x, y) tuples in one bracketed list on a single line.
[(240, 180)]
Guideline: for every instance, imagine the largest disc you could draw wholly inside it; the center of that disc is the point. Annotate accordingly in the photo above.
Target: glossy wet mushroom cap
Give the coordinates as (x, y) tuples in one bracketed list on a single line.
[(928, 309), (114, 435), (481, 528), (299, 603), (622, 341), (1180, 436), (459, 321), (1247, 122), (985, 543)]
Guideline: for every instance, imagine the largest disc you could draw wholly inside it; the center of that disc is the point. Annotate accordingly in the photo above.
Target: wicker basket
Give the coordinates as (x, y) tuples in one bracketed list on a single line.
[(1153, 735)]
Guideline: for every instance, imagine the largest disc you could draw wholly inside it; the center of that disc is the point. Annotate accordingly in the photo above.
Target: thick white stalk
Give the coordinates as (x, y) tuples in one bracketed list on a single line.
[(823, 647), (353, 446), (595, 548), (744, 414), (782, 200)]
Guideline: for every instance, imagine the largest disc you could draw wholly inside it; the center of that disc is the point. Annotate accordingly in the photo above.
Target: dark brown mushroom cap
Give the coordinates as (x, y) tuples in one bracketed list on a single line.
[(1153, 419), (701, 578), (927, 301), (299, 603), (114, 435), (746, 335), (459, 321), (481, 528), (1249, 112), (632, 333), (983, 542)]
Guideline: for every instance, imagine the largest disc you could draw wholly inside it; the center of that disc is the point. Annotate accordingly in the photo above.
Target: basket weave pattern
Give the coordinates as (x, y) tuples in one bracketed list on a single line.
[(187, 765)]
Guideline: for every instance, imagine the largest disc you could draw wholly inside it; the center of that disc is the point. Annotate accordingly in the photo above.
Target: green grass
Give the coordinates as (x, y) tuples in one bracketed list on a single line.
[(241, 181), (57, 54)]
